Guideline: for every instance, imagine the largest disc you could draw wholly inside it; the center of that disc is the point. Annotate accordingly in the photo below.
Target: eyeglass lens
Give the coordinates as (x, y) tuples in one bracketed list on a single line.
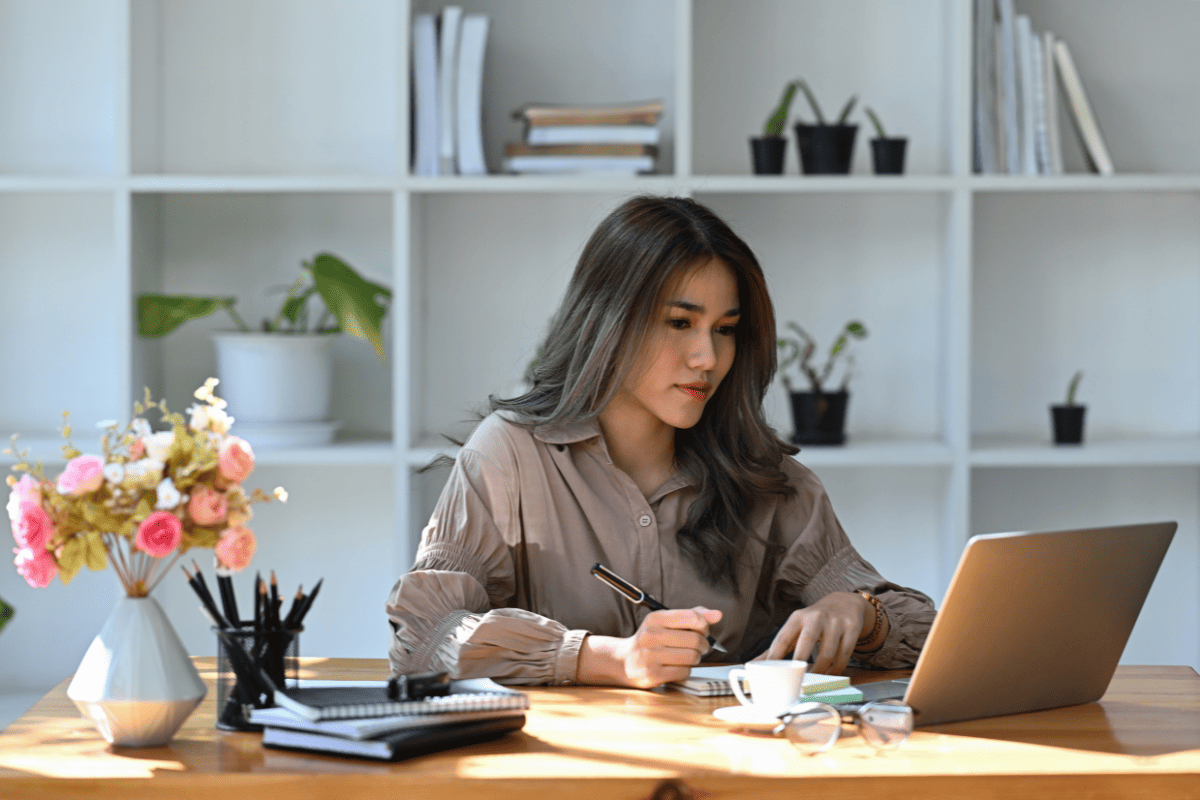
[(885, 724), (814, 729)]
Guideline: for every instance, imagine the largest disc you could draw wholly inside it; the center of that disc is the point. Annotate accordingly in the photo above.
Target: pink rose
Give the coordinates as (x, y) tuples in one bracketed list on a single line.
[(137, 449), (235, 547), (159, 533), (235, 459), (83, 474), (25, 490), (34, 528), (207, 506), (37, 567)]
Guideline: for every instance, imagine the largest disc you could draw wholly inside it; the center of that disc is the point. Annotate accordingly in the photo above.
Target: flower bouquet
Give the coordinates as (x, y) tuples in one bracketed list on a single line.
[(149, 496)]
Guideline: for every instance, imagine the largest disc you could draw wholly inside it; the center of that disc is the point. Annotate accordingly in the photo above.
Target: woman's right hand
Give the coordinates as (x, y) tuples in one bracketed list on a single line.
[(664, 648)]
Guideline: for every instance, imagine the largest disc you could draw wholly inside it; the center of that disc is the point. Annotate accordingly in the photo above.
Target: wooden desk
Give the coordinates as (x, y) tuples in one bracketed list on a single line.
[(1142, 739)]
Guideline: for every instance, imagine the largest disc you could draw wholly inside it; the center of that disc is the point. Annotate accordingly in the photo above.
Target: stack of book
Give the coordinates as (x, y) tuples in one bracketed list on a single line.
[(1018, 72), (616, 138), (714, 682), (448, 53), (359, 720)]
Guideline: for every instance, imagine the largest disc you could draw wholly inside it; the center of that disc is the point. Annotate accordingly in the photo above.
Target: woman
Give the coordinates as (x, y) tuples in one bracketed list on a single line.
[(643, 446)]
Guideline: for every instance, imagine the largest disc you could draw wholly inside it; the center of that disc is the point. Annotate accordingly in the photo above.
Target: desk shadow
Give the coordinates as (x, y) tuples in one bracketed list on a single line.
[(1110, 727)]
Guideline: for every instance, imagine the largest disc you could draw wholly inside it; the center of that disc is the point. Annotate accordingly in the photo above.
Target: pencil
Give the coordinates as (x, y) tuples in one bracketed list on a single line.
[(308, 601)]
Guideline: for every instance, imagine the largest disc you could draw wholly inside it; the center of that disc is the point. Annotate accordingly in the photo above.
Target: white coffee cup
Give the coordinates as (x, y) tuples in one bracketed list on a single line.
[(774, 685)]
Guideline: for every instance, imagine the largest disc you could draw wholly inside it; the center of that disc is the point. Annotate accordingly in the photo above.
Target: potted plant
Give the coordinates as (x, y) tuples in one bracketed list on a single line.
[(819, 415), (1068, 418), (280, 376), (887, 152), (768, 150), (826, 149)]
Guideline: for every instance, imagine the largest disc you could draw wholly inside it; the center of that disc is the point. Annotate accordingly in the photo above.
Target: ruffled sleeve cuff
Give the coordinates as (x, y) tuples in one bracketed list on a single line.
[(509, 645)]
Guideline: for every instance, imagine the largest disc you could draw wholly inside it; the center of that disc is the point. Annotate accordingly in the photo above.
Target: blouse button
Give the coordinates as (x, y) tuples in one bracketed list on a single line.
[(645, 521)]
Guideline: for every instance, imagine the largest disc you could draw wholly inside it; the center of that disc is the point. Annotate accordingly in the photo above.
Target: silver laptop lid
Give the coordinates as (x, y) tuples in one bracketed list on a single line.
[(1035, 620)]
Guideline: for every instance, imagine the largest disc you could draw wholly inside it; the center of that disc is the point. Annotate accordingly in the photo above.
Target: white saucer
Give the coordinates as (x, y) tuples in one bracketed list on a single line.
[(748, 717)]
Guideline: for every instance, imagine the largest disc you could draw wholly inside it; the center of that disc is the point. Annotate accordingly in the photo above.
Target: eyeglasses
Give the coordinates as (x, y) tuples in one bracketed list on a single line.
[(814, 727)]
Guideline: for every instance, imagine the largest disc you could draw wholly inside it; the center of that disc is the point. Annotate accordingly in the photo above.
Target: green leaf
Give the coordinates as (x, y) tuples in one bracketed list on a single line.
[(71, 559), (875, 121), (159, 314), (812, 101), (294, 305), (351, 299), (846, 110), (778, 117), (856, 329), (96, 555)]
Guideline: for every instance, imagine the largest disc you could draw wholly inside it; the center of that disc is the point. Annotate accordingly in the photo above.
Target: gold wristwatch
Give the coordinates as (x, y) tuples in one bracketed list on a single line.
[(877, 627)]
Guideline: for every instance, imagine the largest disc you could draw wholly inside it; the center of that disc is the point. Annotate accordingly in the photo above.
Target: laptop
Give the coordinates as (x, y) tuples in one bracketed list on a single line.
[(1031, 621)]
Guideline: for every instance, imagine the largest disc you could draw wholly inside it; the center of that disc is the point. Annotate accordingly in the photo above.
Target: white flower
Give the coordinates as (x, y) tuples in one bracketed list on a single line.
[(114, 472), (281, 494), (106, 423), (158, 445), (205, 391), (144, 472), (168, 495), (199, 417), (220, 421), (140, 427)]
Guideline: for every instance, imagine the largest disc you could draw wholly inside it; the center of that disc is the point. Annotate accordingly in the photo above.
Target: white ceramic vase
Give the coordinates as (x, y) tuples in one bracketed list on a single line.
[(277, 386), (136, 682)]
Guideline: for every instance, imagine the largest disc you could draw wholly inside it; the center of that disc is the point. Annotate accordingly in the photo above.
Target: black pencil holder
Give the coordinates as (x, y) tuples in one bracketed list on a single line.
[(274, 652)]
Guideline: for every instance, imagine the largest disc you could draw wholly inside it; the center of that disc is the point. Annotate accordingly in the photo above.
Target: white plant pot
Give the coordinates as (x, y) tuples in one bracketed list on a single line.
[(277, 386), (136, 682)]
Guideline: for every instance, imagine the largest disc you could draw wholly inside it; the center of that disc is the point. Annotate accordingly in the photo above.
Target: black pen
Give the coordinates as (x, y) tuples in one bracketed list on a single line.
[(639, 597)]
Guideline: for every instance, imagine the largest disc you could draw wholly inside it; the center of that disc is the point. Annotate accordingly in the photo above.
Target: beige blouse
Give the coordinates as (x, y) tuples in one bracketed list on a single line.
[(501, 586)]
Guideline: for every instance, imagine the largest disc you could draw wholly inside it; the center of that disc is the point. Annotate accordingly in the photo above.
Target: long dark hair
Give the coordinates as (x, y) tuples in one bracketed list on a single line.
[(732, 456)]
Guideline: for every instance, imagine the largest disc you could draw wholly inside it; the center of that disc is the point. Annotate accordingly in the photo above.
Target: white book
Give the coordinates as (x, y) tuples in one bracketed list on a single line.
[(449, 28), (1025, 84), (425, 96), (1081, 111), (559, 164), (1041, 144), (469, 95), (592, 134), (1010, 99), (1050, 78)]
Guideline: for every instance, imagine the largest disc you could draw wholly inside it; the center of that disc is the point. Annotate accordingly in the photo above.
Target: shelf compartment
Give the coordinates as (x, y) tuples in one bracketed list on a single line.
[(263, 241), (66, 315), (746, 52), (269, 87), (573, 52), (485, 309), (875, 258), (1106, 284), (60, 113), (1147, 114)]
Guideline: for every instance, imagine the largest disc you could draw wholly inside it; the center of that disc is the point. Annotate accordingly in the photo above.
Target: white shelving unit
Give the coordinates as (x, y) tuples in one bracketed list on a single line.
[(209, 145)]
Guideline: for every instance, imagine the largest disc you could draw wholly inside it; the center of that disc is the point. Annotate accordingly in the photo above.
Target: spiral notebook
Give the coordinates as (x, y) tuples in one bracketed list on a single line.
[(350, 702)]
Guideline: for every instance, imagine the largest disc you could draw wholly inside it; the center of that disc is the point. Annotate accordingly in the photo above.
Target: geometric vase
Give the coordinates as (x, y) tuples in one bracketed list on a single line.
[(136, 682)]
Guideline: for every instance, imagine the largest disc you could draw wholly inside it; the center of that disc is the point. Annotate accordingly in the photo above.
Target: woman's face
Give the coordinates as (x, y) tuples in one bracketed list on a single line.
[(690, 347)]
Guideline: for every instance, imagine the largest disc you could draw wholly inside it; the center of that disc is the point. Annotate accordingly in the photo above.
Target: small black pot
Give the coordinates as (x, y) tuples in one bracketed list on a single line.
[(825, 149), (1068, 424), (819, 418), (768, 154), (888, 155)]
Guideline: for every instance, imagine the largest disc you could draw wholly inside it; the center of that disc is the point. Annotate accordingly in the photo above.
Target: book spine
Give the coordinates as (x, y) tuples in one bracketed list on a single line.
[(470, 95), (1025, 89), (450, 28), (1040, 135), (1081, 111), (1053, 130), (1009, 89)]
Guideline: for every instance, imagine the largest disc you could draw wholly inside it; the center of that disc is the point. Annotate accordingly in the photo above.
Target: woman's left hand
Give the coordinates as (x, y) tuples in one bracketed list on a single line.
[(837, 621)]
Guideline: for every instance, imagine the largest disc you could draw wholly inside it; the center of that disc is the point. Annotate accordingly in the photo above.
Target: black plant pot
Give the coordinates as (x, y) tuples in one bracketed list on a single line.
[(825, 149), (888, 155), (1068, 424), (768, 153), (819, 418)]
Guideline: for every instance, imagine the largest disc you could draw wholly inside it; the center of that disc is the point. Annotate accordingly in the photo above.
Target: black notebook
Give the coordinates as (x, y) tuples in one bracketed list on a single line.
[(348, 702), (397, 744)]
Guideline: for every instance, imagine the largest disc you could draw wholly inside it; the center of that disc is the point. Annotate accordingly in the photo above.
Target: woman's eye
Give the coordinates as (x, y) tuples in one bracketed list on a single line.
[(727, 330), (678, 322)]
